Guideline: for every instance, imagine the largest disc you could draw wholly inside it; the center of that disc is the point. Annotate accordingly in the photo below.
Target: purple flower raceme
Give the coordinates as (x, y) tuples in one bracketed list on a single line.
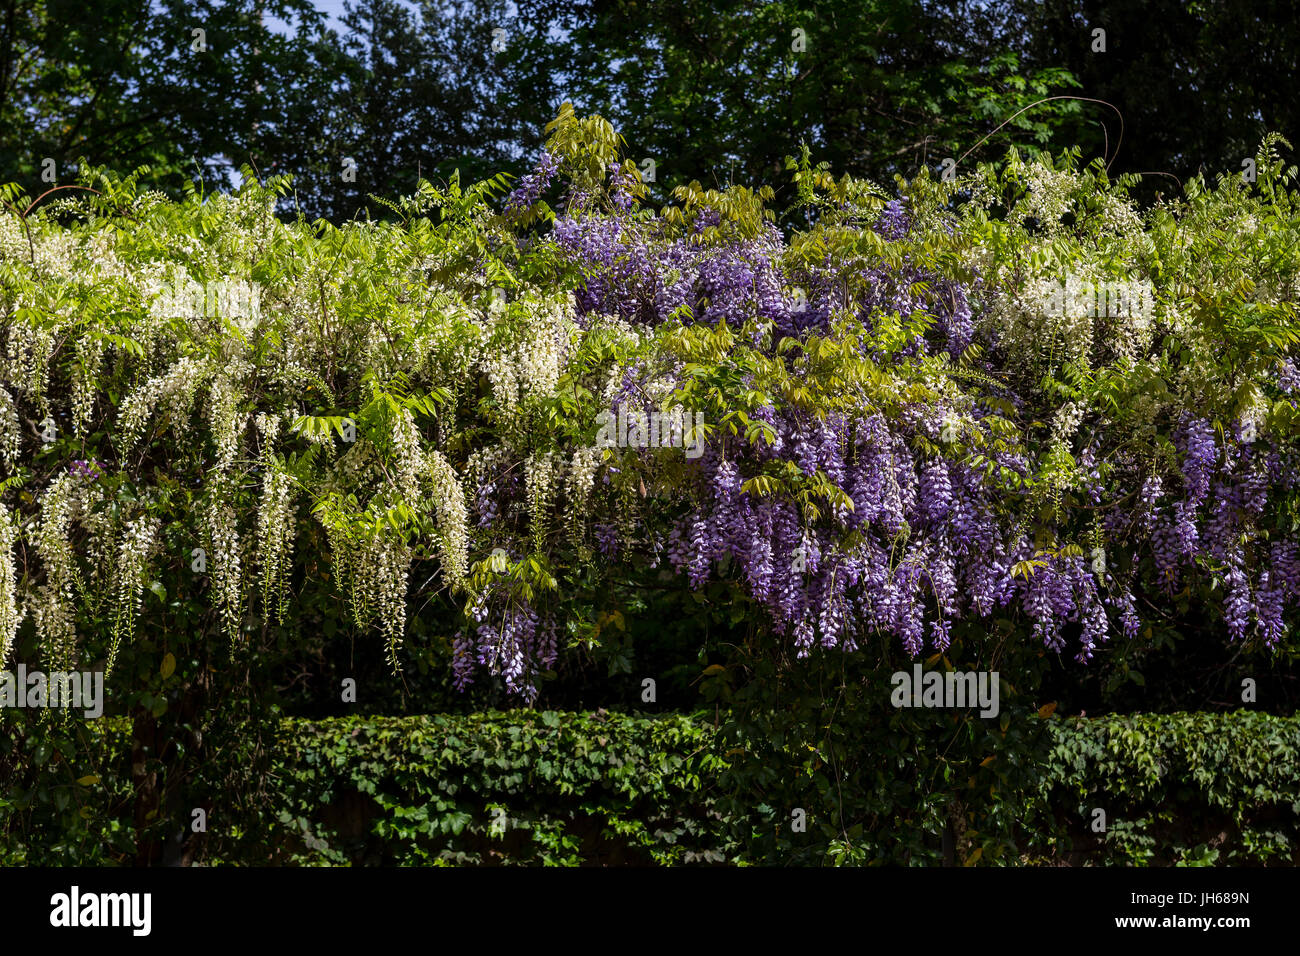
[(607, 539), (1195, 439), (894, 221), (1288, 379), (530, 188), (621, 183), (85, 469)]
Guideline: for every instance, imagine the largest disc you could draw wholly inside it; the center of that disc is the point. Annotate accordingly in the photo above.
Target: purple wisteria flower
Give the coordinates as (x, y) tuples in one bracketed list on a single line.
[(85, 469), (531, 186)]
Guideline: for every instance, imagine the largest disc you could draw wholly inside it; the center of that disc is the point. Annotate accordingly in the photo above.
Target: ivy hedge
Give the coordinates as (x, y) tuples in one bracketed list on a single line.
[(1181, 789), (490, 788), (545, 787)]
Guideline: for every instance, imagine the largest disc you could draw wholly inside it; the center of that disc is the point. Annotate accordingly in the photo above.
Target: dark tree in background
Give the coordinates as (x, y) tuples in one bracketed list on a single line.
[(123, 83), (427, 92), (1199, 84), (725, 91), (717, 92)]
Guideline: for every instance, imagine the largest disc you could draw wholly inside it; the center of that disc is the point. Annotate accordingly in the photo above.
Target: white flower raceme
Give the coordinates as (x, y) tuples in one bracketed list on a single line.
[(226, 559), (500, 369), (276, 530), (1255, 411), (85, 381), (275, 537), (54, 613), (532, 357), (387, 577), (582, 475), (1119, 216), (453, 516), (982, 194), (56, 626), (225, 422), (101, 526), (60, 254), (173, 390), (539, 363), (268, 426), (409, 457), (544, 352), (1048, 197), (1068, 418), (13, 239), (59, 508), (138, 543), (578, 482), (10, 613), (1067, 311), (540, 481), (628, 335), (484, 459), (613, 380), (28, 351), (10, 432), (658, 391), (1080, 316)]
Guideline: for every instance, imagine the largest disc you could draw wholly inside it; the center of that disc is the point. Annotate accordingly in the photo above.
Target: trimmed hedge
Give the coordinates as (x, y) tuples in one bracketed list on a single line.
[(530, 787), (1177, 789), (518, 787), (1182, 789)]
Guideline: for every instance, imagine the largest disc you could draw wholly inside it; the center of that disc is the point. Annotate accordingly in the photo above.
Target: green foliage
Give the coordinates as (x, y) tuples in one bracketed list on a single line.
[(878, 785), (407, 94), (497, 788), (722, 94), (1178, 789), (569, 788), (64, 795)]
